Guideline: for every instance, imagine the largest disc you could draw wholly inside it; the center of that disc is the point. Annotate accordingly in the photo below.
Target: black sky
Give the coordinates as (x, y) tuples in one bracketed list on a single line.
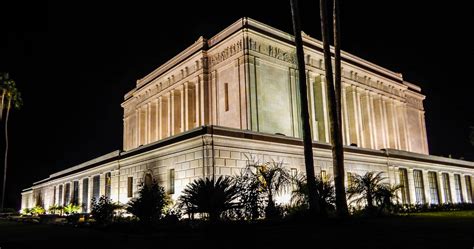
[(74, 62)]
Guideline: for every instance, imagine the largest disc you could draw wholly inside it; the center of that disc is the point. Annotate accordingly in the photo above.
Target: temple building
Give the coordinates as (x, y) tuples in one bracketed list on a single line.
[(233, 97)]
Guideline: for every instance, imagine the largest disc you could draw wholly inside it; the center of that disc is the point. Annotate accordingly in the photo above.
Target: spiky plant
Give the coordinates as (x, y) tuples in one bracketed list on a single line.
[(210, 196)]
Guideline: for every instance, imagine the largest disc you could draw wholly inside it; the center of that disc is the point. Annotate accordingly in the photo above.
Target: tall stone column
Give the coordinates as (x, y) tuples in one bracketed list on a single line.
[(182, 101), (157, 119), (385, 121), (360, 120), (325, 109), (197, 106), (314, 122), (345, 117), (374, 127), (187, 122), (396, 126), (172, 112)]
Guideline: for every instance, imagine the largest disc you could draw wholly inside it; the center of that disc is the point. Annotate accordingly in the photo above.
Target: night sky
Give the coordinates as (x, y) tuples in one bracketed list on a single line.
[(73, 64)]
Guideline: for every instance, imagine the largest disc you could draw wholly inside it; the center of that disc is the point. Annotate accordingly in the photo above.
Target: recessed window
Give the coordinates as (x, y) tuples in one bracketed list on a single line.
[(67, 193), (457, 185), (85, 194), (96, 187), (324, 175), (470, 194), (130, 187), (433, 182), (226, 93), (60, 195), (75, 193), (447, 188), (419, 187), (108, 184), (404, 183), (171, 181)]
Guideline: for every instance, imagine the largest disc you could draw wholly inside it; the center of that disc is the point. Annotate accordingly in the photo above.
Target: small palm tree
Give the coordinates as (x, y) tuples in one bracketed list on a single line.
[(386, 195), (210, 196), (326, 194), (273, 178), (371, 190), (10, 98)]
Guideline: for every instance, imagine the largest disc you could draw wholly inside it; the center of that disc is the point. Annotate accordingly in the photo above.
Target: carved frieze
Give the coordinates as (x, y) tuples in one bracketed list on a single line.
[(272, 51), (225, 53), (415, 102)]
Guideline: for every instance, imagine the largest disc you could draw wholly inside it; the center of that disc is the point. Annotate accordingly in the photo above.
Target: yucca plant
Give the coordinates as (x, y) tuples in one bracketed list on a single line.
[(210, 196)]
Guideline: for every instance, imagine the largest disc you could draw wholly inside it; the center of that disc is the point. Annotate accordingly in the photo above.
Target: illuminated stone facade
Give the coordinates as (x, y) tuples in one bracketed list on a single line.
[(234, 96)]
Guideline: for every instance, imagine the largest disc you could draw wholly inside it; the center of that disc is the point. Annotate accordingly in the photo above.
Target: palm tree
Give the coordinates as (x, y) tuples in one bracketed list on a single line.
[(304, 113), (334, 108), (326, 194), (10, 97), (274, 178), (371, 190), (209, 196)]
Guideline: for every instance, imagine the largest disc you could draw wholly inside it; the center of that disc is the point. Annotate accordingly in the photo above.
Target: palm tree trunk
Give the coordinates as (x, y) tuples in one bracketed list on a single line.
[(341, 201), (4, 91), (6, 153), (304, 113), (334, 117)]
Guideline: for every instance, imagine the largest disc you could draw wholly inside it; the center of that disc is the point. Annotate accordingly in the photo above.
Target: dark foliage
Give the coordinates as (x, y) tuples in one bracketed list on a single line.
[(103, 210), (210, 197), (148, 206)]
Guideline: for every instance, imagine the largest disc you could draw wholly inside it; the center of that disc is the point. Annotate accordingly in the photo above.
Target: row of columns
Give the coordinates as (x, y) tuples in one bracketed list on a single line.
[(369, 119), (395, 179), (170, 113)]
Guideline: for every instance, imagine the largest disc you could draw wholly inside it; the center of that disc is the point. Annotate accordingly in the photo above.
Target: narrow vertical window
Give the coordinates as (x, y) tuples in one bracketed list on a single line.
[(60, 195), (75, 193), (96, 187), (226, 93), (108, 184), (130, 187), (419, 187), (54, 195), (447, 189), (85, 195), (433, 182), (470, 194), (457, 186), (324, 175), (404, 183), (67, 194), (171, 182)]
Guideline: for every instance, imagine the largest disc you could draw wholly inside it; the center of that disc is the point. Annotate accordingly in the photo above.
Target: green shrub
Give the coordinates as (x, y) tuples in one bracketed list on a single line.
[(37, 210), (148, 207), (71, 209), (103, 210)]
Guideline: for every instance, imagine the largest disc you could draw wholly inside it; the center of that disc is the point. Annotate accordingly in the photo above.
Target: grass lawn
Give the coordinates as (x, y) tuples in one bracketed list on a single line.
[(424, 230)]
